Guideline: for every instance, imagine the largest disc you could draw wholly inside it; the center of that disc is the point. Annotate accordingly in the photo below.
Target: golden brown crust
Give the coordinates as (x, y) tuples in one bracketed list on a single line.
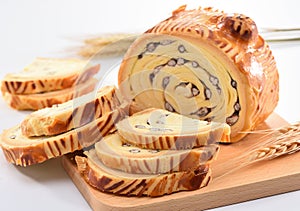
[(48, 99), (231, 38), (24, 151), (72, 114), (118, 183), (30, 82)]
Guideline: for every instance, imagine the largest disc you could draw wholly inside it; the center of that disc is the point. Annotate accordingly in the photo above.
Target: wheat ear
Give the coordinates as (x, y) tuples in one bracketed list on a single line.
[(107, 45), (275, 143), (286, 141)]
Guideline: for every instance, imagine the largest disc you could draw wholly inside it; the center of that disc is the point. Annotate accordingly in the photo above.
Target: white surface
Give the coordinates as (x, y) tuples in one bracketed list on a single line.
[(46, 28)]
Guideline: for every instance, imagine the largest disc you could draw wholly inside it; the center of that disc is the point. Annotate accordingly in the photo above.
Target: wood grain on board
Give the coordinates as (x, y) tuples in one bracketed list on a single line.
[(251, 182)]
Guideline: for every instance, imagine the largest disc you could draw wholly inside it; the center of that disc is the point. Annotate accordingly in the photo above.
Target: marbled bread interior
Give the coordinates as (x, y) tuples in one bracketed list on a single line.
[(205, 64)]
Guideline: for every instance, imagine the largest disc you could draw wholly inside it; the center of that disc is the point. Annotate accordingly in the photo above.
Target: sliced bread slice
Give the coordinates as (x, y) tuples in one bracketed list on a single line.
[(48, 74), (72, 114), (120, 183), (48, 99), (161, 129), (21, 150), (125, 157)]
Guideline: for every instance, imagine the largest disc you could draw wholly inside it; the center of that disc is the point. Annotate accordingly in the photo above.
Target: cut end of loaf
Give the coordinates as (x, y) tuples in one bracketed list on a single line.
[(205, 64)]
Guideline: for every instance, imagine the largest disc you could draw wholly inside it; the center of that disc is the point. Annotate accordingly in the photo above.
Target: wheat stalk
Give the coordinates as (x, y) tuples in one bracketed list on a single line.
[(286, 141), (277, 142), (107, 45), (276, 150)]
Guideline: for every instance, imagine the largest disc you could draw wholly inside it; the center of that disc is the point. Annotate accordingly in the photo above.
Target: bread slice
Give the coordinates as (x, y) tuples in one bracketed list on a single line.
[(48, 99), (125, 157), (21, 150), (48, 74), (72, 114), (161, 129), (120, 183)]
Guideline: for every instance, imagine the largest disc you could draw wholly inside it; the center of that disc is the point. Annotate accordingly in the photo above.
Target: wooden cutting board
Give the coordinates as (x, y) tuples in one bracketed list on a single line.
[(255, 181)]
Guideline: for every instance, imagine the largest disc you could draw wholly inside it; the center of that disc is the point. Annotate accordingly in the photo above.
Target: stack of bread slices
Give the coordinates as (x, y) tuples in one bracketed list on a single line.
[(62, 128), (47, 81), (150, 153), (153, 153)]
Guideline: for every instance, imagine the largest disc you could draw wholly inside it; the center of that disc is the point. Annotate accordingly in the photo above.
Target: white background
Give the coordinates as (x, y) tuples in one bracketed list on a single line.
[(33, 28)]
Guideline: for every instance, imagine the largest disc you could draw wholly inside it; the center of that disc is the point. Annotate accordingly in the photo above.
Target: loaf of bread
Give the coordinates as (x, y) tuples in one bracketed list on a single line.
[(72, 114), (120, 183), (48, 74), (48, 99), (115, 154), (161, 129), (22, 150), (205, 64)]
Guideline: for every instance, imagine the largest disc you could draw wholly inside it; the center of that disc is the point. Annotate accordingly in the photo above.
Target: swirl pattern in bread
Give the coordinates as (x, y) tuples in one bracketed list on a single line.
[(205, 64)]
